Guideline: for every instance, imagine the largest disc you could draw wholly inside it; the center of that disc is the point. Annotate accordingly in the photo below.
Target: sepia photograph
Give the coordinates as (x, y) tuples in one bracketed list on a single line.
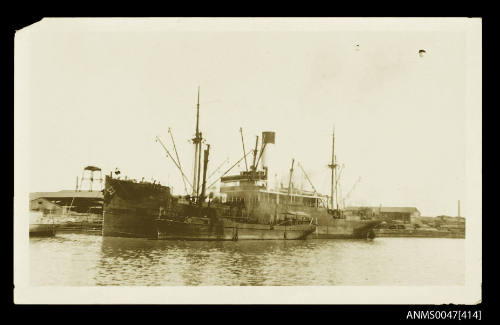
[(248, 160)]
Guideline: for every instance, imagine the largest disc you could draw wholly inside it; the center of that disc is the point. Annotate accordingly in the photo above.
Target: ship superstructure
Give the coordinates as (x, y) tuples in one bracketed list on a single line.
[(257, 197)]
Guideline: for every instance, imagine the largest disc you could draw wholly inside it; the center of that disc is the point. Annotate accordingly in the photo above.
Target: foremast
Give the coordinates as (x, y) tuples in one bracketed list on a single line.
[(333, 167), (197, 140)]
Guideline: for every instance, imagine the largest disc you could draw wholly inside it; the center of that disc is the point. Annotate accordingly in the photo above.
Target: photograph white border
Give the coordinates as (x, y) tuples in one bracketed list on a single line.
[(470, 293)]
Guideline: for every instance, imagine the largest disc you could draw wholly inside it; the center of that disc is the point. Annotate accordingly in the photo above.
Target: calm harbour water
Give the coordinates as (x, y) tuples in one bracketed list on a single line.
[(89, 260)]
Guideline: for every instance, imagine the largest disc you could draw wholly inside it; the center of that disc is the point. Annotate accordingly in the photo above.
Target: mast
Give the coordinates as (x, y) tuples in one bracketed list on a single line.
[(290, 182), (337, 175), (197, 149), (332, 167), (198, 112), (262, 148), (199, 168), (254, 167), (204, 184)]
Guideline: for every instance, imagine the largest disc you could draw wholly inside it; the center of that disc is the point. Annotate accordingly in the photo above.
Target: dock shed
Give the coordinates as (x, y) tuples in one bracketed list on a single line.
[(403, 214), (45, 206)]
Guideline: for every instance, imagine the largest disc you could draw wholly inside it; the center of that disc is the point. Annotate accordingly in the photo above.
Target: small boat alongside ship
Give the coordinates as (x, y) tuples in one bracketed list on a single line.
[(41, 225)]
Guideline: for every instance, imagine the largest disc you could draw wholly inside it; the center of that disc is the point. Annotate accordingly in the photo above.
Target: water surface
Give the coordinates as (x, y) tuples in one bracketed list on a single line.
[(89, 260)]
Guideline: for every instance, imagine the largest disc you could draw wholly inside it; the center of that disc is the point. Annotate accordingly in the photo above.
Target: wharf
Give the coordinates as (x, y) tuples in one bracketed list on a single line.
[(417, 233), (80, 227)]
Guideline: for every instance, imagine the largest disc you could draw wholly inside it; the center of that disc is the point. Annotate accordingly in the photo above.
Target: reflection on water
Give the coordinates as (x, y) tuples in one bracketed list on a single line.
[(83, 260)]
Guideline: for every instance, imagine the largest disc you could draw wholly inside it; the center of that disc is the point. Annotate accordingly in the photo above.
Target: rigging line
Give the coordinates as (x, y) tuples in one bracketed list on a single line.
[(178, 160), (307, 177), (175, 163), (340, 173), (227, 171), (217, 169), (71, 204), (243, 144)]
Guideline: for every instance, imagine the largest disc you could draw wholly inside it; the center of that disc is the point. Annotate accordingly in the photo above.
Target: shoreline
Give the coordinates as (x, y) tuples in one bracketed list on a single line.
[(417, 233)]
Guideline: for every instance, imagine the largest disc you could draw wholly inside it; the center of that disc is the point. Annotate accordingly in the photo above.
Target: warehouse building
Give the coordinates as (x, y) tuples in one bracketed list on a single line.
[(403, 214)]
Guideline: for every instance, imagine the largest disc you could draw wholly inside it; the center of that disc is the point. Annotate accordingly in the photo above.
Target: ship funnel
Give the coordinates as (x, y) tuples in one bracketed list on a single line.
[(268, 141)]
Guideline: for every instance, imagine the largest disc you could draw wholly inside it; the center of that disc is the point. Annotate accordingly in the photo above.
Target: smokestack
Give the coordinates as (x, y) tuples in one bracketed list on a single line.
[(268, 140), (459, 208)]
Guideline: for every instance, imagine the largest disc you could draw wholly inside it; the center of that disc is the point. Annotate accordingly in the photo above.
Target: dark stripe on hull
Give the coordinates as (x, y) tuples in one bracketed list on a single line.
[(338, 236), (346, 230), (234, 231), (250, 232)]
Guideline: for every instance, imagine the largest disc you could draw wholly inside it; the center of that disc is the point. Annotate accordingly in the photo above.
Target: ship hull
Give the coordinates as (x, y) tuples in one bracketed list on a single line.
[(327, 227), (42, 230), (129, 224), (133, 210), (130, 209), (227, 229), (346, 229), (266, 232)]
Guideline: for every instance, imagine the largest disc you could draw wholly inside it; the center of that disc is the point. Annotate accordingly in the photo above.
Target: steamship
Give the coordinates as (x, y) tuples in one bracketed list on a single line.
[(256, 209), (253, 207), (149, 210)]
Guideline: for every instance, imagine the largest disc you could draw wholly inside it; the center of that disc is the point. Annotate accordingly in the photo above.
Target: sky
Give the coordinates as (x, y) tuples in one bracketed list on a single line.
[(100, 91)]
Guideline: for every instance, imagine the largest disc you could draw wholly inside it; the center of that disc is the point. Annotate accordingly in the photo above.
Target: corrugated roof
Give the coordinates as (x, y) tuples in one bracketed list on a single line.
[(386, 209), (399, 209), (67, 194), (48, 201)]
